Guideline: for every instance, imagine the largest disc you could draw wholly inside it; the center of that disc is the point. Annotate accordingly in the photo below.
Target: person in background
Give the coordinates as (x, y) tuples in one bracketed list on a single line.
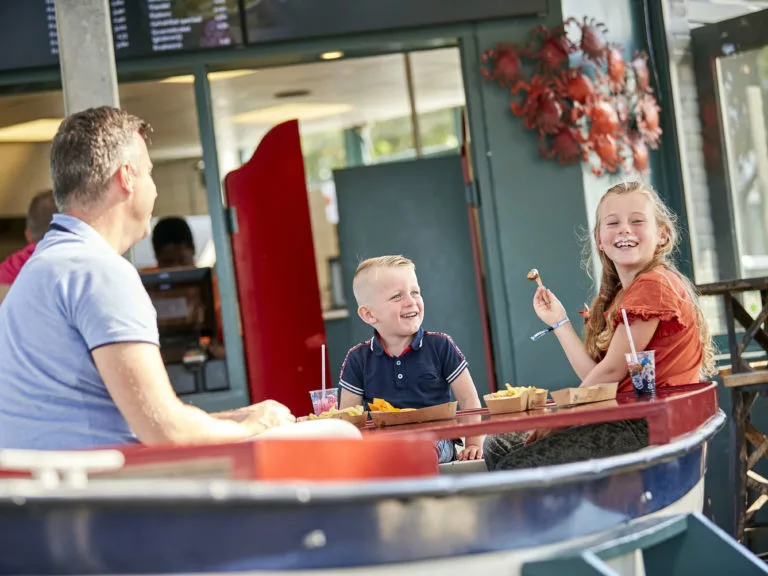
[(173, 243), (41, 210), (174, 247)]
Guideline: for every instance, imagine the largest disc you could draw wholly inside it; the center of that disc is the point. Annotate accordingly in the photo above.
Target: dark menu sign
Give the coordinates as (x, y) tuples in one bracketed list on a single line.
[(269, 20), (28, 37)]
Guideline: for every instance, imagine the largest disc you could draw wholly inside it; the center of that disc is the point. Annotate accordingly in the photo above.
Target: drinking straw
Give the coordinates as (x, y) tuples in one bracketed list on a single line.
[(629, 335), (322, 348)]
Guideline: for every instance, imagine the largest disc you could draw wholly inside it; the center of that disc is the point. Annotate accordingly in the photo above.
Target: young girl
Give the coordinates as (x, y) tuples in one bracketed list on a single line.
[(635, 235)]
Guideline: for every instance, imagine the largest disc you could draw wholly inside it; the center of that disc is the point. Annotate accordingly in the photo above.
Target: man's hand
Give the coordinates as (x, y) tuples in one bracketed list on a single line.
[(263, 416), (473, 450)]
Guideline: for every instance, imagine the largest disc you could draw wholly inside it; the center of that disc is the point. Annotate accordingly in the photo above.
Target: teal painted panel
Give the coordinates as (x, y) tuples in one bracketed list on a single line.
[(338, 340), (538, 212), (417, 209)]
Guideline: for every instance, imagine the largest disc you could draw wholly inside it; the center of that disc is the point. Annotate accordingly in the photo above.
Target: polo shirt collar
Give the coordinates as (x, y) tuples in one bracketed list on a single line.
[(378, 348), (81, 229)]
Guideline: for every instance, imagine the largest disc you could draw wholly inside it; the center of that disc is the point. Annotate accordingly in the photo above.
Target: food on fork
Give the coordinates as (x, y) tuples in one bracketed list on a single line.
[(533, 275)]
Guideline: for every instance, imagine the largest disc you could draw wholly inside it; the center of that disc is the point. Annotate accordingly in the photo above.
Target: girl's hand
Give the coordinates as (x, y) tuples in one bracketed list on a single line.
[(547, 307)]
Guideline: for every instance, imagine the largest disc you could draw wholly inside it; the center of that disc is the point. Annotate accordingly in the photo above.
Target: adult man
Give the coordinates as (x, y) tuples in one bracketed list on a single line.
[(41, 210), (78, 334)]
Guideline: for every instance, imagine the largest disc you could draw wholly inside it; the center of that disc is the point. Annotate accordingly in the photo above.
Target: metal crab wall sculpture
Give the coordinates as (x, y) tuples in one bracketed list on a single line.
[(601, 110)]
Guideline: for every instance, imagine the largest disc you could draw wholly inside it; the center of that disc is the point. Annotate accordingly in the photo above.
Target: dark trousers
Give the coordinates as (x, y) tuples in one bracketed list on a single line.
[(574, 444)]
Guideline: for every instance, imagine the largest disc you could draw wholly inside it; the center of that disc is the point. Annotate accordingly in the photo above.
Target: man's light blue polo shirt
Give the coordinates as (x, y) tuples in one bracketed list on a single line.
[(74, 295)]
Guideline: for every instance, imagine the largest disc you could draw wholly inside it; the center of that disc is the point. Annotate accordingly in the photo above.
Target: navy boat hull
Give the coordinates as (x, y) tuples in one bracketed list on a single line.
[(176, 527)]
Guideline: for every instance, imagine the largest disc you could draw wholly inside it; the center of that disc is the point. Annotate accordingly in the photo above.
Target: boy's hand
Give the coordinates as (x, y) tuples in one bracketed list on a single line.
[(473, 450)]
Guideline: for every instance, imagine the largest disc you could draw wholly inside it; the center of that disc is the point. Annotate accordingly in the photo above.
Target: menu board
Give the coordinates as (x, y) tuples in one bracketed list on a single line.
[(270, 20), (28, 36)]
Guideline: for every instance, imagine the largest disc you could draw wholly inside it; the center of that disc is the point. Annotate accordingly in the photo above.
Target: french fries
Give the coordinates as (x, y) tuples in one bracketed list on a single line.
[(381, 405), (334, 412), (515, 391)]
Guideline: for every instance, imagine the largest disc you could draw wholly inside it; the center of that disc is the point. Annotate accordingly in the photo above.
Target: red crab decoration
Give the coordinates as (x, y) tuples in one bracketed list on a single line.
[(566, 146), (601, 118), (639, 159), (542, 108), (623, 113), (616, 68), (554, 47), (607, 149), (575, 85), (506, 66), (639, 65), (647, 116), (592, 42)]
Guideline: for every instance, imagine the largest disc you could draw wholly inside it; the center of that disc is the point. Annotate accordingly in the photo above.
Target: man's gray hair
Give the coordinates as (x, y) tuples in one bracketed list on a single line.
[(88, 149)]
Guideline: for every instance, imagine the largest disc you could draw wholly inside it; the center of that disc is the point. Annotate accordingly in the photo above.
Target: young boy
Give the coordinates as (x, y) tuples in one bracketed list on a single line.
[(402, 363)]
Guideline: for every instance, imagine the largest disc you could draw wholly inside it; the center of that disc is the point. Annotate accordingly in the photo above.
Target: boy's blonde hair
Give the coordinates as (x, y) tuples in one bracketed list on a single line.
[(366, 275), (599, 329)]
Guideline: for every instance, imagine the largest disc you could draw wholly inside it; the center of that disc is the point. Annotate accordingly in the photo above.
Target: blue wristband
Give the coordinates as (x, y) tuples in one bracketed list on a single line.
[(555, 326)]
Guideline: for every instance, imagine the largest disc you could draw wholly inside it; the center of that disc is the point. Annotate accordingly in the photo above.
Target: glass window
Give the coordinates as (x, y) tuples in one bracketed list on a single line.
[(28, 123), (169, 107), (352, 112)]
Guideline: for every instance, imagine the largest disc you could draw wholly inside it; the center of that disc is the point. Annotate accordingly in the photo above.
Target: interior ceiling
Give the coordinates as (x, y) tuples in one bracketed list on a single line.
[(702, 12), (359, 90)]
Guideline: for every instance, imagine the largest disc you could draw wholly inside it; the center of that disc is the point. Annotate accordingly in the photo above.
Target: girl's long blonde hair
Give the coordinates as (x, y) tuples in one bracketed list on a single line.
[(599, 329)]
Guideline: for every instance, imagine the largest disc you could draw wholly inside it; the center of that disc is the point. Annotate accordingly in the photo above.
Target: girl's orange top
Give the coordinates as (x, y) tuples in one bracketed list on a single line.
[(660, 293)]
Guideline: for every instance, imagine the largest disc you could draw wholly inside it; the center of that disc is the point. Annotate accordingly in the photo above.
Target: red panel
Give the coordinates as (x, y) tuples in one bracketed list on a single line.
[(277, 283), (334, 459), (677, 410)]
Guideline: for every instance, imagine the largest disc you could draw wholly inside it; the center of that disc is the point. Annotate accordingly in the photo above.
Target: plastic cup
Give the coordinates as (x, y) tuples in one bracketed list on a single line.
[(321, 404), (642, 370)]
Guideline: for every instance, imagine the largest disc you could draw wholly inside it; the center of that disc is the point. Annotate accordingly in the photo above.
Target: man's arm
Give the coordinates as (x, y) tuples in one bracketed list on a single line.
[(4, 291), (135, 377)]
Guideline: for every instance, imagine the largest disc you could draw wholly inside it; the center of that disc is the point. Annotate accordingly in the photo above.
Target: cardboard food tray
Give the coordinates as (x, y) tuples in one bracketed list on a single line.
[(537, 399), (358, 421), (506, 405), (597, 393), (439, 412)]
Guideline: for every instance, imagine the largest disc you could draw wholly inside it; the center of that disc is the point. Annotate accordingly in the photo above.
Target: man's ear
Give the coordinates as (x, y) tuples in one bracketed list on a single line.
[(124, 176), (28, 235), (366, 315)]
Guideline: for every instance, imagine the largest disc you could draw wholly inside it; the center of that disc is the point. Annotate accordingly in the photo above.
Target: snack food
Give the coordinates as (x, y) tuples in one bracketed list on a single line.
[(412, 416), (354, 414), (533, 276), (516, 399), (333, 412), (381, 405)]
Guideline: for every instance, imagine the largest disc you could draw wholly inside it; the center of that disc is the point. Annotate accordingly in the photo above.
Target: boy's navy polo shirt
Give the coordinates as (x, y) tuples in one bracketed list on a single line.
[(421, 376)]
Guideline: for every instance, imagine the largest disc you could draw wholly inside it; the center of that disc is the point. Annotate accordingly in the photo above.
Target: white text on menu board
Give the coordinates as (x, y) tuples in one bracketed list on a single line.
[(167, 32), (119, 26), (53, 36)]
